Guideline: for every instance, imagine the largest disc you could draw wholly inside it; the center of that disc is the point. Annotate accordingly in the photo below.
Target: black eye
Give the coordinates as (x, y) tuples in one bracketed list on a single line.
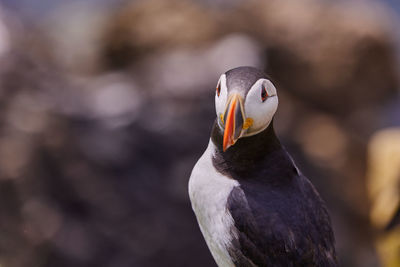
[(218, 89), (264, 93)]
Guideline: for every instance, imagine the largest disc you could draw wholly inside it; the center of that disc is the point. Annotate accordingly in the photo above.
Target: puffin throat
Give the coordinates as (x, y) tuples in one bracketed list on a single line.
[(247, 153)]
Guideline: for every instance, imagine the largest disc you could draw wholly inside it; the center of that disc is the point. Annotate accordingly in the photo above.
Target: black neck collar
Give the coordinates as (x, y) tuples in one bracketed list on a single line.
[(249, 156)]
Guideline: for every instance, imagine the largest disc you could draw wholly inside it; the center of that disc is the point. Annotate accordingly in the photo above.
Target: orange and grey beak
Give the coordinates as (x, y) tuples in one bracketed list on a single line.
[(233, 121)]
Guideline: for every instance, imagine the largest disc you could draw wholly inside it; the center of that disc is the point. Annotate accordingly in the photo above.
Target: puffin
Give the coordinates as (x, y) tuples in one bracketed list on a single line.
[(253, 205)]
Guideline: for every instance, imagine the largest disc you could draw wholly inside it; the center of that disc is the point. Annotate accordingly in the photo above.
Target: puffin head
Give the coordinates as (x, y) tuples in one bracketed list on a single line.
[(245, 103)]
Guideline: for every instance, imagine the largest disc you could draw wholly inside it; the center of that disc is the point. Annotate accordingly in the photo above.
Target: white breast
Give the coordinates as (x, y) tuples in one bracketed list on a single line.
[(209, 191)]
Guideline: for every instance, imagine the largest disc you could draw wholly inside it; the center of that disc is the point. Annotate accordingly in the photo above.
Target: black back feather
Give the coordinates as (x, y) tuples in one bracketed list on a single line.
[(279, 218)]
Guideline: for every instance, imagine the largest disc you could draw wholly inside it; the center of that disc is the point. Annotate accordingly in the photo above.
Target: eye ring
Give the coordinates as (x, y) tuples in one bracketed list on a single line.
[(264, 93), (218, 89)]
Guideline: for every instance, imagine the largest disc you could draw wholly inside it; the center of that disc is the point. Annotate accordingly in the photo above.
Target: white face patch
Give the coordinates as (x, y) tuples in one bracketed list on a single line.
[(261, 112), (220, 101)]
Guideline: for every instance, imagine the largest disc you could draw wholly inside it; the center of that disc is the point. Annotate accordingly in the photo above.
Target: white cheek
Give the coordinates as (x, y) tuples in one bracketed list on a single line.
[(261, 112), (220, 101)]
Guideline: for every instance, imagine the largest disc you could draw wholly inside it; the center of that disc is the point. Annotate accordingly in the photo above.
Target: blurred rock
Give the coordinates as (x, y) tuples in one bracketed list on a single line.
[(314, 142), (384, 176), (75, 30), (5, 39), (384, 190), (42, 221), (186, 72), (144, 27)]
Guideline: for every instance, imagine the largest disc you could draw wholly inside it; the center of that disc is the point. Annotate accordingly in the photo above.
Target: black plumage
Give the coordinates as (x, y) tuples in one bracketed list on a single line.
[(279, 218)]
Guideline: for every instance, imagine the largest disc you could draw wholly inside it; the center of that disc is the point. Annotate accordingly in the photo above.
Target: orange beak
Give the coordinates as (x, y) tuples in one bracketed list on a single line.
[(233, 122)]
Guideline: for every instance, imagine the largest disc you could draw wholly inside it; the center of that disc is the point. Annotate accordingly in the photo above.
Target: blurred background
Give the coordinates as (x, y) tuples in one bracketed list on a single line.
[(107, 105)]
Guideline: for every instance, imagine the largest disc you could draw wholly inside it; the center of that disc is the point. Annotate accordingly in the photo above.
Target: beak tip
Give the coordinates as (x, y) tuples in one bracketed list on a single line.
[(227, 145)]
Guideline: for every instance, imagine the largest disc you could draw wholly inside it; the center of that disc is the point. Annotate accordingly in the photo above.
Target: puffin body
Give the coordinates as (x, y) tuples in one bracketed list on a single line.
[(253, 205)]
